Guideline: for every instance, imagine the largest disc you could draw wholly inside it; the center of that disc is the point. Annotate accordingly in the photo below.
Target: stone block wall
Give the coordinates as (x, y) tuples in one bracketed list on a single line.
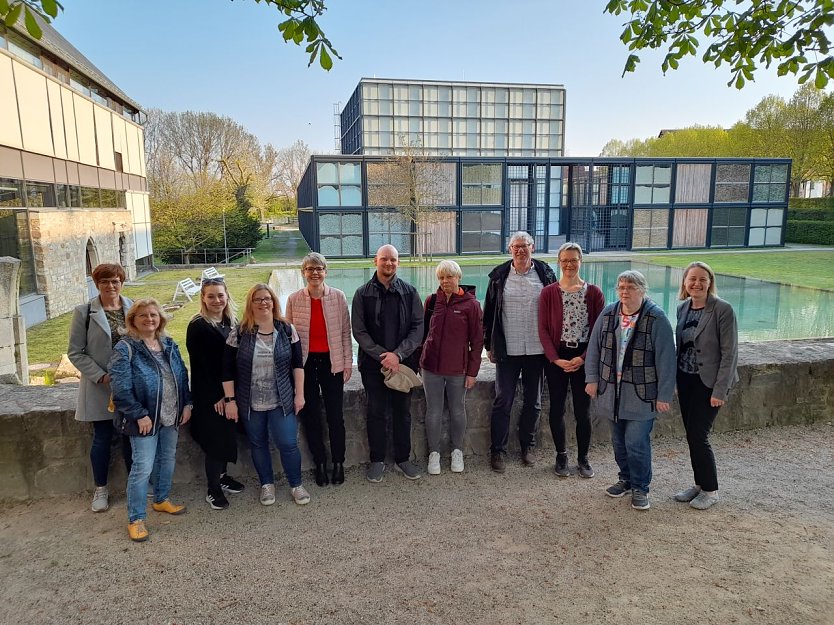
[(44, 451), (59, 239)]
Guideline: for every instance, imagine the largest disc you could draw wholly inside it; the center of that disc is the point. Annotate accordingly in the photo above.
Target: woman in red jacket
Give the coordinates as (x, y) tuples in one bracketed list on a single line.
[(450, 360), (567, 312)]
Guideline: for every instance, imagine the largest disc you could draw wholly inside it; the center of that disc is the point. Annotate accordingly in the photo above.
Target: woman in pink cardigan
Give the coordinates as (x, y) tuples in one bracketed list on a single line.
[(320, 316)]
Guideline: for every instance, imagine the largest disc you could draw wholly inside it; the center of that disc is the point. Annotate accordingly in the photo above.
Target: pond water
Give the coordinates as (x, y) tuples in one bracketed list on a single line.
[(766, 311)]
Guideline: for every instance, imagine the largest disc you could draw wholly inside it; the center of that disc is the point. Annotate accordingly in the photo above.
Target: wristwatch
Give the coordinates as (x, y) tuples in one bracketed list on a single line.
[(228, 400)]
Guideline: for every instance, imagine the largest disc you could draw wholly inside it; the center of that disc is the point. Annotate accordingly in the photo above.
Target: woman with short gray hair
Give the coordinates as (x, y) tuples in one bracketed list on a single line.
[(630, 376)]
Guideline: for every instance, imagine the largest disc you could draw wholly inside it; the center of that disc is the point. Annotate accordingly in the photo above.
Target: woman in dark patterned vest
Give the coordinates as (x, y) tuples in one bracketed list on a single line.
[(630, 376), (263, 379), (707, 339)]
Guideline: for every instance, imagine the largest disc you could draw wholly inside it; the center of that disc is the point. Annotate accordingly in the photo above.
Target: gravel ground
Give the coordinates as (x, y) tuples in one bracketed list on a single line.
[(525, 547)]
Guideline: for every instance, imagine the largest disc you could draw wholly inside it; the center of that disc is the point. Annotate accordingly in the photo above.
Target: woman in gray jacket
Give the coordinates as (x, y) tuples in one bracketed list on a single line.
[(630, 376), (707, 340), (93, 334)]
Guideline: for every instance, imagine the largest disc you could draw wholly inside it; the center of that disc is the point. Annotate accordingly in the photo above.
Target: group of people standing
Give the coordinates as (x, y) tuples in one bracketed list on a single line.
[(268, 370)]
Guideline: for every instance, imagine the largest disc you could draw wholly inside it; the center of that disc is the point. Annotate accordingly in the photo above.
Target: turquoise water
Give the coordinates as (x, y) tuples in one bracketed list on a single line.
[(766, 311)]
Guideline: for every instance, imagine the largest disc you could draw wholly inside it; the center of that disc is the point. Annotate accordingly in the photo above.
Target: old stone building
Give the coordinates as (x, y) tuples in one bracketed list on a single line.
[(73, 189)]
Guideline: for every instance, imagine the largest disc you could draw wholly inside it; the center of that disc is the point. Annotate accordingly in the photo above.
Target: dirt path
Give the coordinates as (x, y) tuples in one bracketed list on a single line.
[(472, 548)]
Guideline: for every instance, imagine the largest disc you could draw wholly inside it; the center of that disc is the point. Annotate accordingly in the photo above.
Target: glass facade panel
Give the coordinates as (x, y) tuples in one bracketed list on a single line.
[(90, 197), (389, 227), (652, 184), (481, 231), (437, 233), (732, 182), (14, 242), (326, 173), (728, 226), (339, 184), (341, 234), (692, 184), (11, 192), (770, 183), (40, 195), (482, 184), (690, 228), (651, 228)]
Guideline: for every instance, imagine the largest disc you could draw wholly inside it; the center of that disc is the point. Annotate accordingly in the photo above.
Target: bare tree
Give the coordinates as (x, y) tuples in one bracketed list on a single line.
[(415, 185), (289, 166)]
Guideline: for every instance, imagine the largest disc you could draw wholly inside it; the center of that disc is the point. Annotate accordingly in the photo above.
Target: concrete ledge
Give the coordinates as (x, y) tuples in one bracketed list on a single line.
[(45, 452)]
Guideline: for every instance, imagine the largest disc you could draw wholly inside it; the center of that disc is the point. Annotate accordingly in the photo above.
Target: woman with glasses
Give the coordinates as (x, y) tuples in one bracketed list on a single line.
[(320, 315), (707, 340), (205, 339), (568, 310), (96, 328), (150, 390), (263, 382), (630, 375)]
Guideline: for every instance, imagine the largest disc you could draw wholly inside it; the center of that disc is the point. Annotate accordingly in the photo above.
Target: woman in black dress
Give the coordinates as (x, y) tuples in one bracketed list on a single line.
[(205, 338)]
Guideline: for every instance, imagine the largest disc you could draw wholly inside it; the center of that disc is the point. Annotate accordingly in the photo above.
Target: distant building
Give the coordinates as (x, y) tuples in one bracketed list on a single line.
[(454, 118), (601, 203), (73, 189)]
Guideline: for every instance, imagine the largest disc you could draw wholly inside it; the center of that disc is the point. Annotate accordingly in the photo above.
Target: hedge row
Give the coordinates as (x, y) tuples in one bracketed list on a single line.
[(810, 213), (811, 202), (806, 231)]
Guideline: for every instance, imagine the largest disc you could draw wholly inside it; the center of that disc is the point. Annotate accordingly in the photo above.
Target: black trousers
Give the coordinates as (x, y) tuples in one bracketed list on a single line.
[(558, 382), (507, 372), (380, 398), (698, 417), (320, 383)]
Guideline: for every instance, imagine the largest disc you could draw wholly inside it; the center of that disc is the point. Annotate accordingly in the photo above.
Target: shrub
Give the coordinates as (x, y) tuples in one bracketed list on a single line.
[(806, 231)]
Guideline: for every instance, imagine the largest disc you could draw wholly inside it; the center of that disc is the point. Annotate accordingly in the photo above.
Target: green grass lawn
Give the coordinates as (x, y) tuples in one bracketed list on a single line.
[(48, 341), (282, 246), (811, 269)]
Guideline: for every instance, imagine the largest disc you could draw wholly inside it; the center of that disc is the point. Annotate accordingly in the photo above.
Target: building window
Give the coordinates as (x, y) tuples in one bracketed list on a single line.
[(11, 193), (80, 83), (389, 227), (652, 184), (481, 231), (692, 182), (40, 195), (90, 197), (770, 183), (728, 227), (339, 184), (732, 182), (24, 50), (482, 185), (340, 234), (14, 242), (117, 158), (620, 181), (651, 228), (766, 226), (110, 198)]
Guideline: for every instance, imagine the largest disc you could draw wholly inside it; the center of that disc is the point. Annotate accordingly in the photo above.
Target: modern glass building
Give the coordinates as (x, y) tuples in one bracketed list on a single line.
[(454, 118), (602, 203)]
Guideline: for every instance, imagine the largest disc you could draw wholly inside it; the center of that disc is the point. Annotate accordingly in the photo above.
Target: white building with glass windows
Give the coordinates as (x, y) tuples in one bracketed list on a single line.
[(454, 118), (601, 203), (73, 189)]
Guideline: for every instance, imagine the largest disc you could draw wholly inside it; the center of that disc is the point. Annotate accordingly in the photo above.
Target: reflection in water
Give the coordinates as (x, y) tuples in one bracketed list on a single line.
[(766, 311)]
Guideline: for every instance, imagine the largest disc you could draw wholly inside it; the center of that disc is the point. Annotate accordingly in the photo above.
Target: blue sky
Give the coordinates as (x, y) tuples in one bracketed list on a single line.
[(229, 58)]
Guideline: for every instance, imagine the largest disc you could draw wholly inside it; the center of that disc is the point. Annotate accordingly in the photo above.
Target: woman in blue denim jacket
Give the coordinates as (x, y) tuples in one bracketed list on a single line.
[(150, 390)]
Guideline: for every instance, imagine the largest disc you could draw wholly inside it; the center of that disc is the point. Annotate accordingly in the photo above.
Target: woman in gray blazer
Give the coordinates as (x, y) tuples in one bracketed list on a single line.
[(707, 350), (93, 333)]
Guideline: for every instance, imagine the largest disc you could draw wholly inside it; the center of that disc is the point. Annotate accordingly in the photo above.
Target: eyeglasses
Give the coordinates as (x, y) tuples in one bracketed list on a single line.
[(518, 248), (262, 300), (315, 269), (114, 282), (207, 281), (569, 261), (627, 289)]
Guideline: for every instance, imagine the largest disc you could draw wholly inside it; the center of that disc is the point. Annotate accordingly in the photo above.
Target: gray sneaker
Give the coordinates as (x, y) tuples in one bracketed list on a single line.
[(585, 469), (704, 500), (688, 495), (640, 500), (409, 470), (561, 466), (375, 471), (101, 499), (618, 490)]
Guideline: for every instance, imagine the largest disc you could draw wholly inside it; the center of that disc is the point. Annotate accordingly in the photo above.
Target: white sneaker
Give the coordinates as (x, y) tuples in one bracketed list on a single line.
[(457, 461), (101, 499), (268, 494), (300, 495), (434, 463)]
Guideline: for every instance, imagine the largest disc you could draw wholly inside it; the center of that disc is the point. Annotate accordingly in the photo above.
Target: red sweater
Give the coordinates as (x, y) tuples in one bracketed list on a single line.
[(551, 314)]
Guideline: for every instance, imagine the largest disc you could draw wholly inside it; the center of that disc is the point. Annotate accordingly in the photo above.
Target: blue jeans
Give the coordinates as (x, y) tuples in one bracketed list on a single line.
[(284, 428), (632, 443), (155, 454)]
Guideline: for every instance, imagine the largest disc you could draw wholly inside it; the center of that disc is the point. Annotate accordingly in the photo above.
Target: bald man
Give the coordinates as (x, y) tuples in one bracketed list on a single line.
[(387, 321)]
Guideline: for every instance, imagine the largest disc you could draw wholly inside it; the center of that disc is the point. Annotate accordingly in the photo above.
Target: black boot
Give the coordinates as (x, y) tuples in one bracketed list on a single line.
[(338, 473), (321, 474)]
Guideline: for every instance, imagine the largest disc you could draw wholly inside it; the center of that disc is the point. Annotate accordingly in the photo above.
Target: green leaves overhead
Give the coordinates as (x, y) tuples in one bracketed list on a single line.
[(10, 12), (742, 34), (301, 26)]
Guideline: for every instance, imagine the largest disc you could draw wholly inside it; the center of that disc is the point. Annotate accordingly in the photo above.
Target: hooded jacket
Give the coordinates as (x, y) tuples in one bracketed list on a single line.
[(455, 338)]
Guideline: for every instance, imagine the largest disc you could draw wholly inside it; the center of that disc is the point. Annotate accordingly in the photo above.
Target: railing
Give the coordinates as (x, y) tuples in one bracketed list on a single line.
[(204, 256)]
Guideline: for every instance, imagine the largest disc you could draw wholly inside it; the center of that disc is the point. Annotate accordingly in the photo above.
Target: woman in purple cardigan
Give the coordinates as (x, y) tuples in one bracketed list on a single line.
[(320, 315), (567, 312)]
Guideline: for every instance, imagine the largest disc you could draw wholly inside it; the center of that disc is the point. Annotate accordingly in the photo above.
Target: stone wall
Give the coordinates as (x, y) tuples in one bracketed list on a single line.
[(59, 240), (44, 451)]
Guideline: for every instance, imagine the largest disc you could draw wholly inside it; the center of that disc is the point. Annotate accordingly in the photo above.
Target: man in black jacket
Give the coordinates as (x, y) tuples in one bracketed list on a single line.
[(511, 338), (387, 321)]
